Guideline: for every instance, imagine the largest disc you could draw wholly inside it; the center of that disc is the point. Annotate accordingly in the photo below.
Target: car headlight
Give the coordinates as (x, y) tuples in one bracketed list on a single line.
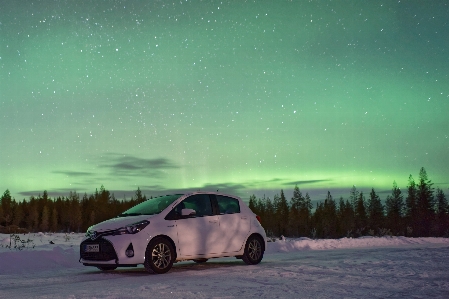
[(133, 228)]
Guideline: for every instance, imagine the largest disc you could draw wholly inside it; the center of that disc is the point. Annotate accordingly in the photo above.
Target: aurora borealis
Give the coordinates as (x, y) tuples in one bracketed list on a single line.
[(242, 96)]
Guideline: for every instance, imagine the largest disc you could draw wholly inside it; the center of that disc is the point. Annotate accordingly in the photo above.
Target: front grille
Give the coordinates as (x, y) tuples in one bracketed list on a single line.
[(106, 253)]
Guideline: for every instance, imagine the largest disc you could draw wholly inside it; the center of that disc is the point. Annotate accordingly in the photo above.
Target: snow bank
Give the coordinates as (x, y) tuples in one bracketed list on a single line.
[(289, 245), (45, 252)]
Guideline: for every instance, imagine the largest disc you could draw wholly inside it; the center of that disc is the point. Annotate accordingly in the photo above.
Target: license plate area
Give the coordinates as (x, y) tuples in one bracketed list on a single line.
[(92, 248)]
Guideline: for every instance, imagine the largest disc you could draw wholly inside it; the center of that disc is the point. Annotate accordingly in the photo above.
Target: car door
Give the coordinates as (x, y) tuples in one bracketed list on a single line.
[(197, 234), (234, 226)]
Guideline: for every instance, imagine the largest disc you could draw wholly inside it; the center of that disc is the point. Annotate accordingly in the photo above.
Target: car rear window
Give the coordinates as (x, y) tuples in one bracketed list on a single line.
[(228, 205)]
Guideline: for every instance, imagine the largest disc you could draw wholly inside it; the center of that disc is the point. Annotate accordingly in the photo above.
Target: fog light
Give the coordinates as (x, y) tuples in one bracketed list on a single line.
[(130, 250)]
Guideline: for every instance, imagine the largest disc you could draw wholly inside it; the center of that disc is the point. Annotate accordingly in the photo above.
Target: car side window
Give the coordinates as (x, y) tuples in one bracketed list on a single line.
[(227, 205), (199, 202)]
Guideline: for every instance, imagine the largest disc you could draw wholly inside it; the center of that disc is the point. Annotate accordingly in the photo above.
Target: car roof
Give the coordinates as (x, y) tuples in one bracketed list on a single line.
[(210, 192)]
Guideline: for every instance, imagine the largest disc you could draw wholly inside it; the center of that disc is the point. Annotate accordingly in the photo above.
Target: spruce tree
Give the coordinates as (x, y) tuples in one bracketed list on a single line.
[(45, 219), (340, 221), (360, 215), (394, 206), (269, 215), (305, 214), (353, 197), (411, 208), (54, 220), (329, 218), (296, 202), (375, 211), (251, 204), (141, 198), (282, 214), (75, 215), (425, 205), (442, 213), (6, 201)]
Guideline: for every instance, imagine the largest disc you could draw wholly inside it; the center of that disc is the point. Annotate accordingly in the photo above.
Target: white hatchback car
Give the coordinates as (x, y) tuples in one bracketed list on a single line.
[(167, 229)]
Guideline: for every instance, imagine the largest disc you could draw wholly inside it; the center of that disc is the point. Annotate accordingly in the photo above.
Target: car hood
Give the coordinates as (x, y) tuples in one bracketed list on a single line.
[(118, 222)]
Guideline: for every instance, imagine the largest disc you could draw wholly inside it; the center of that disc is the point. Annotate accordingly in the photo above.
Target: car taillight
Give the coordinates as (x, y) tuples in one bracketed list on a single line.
[(258, 219)]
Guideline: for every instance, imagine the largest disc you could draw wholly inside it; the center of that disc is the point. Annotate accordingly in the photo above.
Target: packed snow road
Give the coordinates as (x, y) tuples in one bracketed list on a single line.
[(417, 269)]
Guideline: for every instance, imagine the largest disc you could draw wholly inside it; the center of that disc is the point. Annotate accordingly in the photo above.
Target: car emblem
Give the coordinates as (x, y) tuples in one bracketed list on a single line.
[(93, 235)]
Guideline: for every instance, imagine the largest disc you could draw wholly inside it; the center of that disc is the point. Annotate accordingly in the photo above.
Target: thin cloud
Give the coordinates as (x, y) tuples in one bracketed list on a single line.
[(305, 182), (125, 165), (73, 173)]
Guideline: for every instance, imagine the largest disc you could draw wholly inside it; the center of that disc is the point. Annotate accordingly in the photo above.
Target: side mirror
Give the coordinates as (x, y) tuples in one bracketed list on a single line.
[(188, 212)]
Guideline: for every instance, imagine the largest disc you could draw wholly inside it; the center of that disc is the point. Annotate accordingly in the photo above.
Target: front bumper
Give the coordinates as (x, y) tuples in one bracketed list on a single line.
[(112, 250)]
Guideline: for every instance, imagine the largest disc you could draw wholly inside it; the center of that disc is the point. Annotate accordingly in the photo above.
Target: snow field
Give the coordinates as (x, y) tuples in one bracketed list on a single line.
[(293, 268)]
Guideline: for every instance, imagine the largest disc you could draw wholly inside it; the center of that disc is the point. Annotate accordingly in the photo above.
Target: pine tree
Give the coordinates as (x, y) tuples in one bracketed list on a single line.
[(360, 215), (375, 211), (411, 208), (425, 204), (329, 219), (33, 215), (296, 202), (282, 211), (252, 204), (75, 215), (54, 220), (340, 221), (394, 206), (45, 219), (6, 201), (269, 215), (317, 221), (260, 207), (305, 214), (139, 197), (442, 213), (17, 213), (353, 197), (92, 218), (102, 211)]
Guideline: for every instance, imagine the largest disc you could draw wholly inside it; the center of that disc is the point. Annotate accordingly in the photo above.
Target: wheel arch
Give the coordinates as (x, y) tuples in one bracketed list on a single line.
[(260, 237), (169, 240)]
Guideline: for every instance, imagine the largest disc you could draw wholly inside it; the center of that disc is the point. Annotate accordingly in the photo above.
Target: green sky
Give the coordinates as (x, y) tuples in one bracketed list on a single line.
[(242, 96)]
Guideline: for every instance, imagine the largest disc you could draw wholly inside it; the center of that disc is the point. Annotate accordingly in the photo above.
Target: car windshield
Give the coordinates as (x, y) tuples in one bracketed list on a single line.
[(151, 206)]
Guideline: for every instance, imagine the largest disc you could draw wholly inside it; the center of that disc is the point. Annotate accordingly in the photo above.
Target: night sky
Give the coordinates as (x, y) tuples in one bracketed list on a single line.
[(248, 97)]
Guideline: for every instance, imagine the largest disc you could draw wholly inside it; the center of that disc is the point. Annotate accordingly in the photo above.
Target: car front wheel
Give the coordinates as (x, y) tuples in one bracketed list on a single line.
[(159, 256), (253, 251)]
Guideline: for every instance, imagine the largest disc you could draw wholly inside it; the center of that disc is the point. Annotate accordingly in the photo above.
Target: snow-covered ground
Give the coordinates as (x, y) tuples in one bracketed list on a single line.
[(295, 268)]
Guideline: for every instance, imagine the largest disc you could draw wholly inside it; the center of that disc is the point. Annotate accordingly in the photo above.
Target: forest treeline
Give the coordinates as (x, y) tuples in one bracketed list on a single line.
[(62, 214), (419, 211)]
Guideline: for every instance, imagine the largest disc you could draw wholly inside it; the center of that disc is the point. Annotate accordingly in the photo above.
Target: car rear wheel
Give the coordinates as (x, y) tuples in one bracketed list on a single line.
[(159, 256), (253, 251)]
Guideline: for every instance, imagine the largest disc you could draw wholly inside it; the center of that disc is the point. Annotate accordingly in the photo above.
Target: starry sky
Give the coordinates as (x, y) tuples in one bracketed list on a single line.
[(248, 97)]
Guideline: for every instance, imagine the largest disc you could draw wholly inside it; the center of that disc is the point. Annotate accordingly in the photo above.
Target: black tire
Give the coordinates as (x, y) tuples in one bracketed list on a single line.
[(107, 268), (199, 261), (159, 256), (253, 250)]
